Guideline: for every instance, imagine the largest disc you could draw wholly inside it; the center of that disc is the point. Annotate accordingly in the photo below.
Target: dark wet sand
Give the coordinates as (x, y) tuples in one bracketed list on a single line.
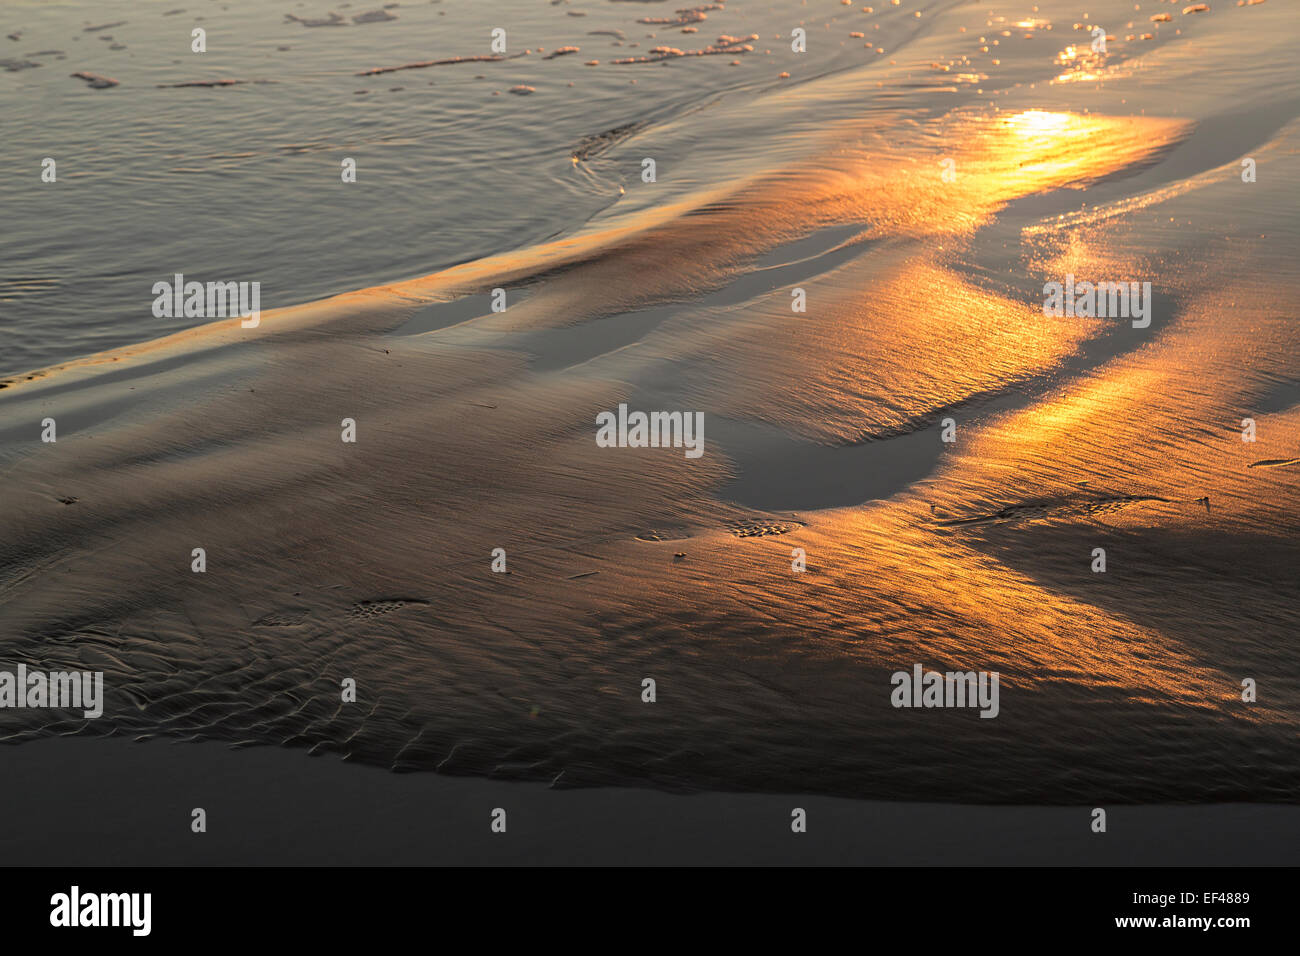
[(87, 802)]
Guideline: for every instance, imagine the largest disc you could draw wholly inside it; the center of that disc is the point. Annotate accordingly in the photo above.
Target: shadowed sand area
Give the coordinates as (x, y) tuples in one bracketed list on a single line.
[(475, 430)]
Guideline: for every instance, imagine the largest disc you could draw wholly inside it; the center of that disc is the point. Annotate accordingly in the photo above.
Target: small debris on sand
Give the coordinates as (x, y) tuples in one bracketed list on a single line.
[(373, 16), (684, 17), (333, 20), (168, 86), (480, 58), (96, 81)]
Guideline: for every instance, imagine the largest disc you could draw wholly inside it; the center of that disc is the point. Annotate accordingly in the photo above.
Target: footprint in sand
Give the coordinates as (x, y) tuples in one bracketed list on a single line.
[(663, 534), (762, 529), (376, 608)]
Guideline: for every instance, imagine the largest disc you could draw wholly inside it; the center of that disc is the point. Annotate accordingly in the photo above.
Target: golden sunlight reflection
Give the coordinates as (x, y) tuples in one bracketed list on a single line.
[(1081, 63), (1039, 149), (1040, 122)]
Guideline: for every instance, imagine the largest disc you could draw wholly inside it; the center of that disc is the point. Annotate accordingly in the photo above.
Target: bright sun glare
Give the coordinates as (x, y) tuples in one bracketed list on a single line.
[(1039, 122)]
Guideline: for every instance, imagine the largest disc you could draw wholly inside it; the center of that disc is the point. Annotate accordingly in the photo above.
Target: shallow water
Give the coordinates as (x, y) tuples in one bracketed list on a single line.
[(245, 180)]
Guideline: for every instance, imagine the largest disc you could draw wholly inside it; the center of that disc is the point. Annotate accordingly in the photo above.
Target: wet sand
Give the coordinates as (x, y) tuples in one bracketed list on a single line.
[(372, 560), (124, 804)]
